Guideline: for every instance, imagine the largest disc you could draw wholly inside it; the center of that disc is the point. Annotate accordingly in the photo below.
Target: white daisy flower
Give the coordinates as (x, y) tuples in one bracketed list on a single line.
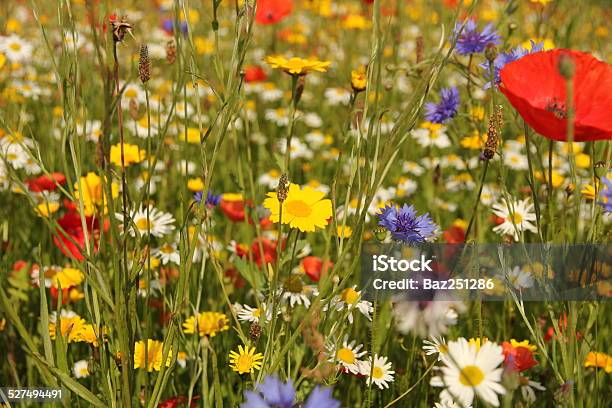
[(80, 369), (518, 216), (296, 293), (154, 287), (412, 168), (181, 359), (427, 137), (515, 160), (433, 320), (518, 278), (470, 371), (159, 223), (337, 96), (435, 346), (15, 48), (350, 299), (317, 186), (270, 93), (312, 120), (298, 149), (270, 179), (279, 116), (378, 371), (250, 314), (406, 186), (347, 356), (167, 253), (447, 401), (528, 389)]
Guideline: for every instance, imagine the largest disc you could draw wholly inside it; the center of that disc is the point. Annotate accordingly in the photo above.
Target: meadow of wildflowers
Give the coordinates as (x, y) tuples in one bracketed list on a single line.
[(186, 187)]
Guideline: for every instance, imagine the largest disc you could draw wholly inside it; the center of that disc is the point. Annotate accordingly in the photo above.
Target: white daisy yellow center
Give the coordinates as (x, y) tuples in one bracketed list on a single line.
[(345, 355), (471, 376)]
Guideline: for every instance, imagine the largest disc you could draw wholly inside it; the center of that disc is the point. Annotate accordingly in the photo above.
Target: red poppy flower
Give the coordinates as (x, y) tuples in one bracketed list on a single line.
[(518, 358), (234, 209), (234, 277), (46, 183), (536, 89), (454, 235), (313, 267), (254, 73), (179, 401), (71, 224), (273, 11), (269, 251)]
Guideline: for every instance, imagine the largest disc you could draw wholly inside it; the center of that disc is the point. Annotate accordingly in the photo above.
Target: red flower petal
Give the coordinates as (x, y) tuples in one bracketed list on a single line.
[(535, 88)]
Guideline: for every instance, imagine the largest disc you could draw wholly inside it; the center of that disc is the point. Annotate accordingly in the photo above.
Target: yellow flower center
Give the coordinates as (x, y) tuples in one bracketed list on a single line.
[(142, 224), (130, 93), (256, 312), (167, 249), (298, 208), (350, 296), (244, 363), (377, 373), (471, 376), (515, 218), (346, 355), (15, 46)]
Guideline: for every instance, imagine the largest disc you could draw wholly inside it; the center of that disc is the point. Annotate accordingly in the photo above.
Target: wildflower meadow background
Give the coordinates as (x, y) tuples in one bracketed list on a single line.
[(186, 186)]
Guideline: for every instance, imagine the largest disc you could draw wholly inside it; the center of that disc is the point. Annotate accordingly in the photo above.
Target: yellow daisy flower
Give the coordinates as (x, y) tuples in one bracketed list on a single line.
[(153, 357), (245, 360), (93, 192), (359, 79), (132, 154), (296, 65), (70, 328), (302, 209), (206, 324), (601, 360), (67, 277)]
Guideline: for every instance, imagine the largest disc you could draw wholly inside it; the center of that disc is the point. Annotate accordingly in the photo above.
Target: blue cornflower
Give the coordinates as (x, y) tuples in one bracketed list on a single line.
[(446, 109), (472, 41), (606, 195), (273, 393), (505, 58), (405, 225), (211, 199)]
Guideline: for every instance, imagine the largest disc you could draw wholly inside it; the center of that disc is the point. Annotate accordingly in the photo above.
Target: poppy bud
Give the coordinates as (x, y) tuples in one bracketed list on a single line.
[(380, 234), (490, 52), (569, 190), (601, 168), (566, 66), (299, 90)]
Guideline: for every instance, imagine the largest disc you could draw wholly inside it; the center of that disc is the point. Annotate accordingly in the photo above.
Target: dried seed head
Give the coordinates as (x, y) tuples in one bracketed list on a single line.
[(171, 52), (120, 28), (299, 89), (144, 64), (255, 331), (496, 122), (420, 49), (283, 188)]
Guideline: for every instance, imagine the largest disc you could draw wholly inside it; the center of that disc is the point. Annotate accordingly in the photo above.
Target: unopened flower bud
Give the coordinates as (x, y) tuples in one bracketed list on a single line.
[(601, 169), (380, 234), (491, 52), (566, 66)]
